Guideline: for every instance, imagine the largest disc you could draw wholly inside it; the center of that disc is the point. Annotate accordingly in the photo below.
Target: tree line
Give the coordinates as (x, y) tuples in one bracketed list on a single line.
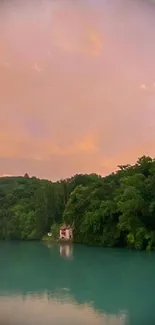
[(116, 210)]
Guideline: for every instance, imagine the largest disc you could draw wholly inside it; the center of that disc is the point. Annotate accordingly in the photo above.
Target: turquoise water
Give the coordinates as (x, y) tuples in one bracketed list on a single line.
[(51, 284)]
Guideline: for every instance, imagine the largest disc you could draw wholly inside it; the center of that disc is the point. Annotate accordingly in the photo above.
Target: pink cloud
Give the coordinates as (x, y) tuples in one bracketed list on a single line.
[(77, 94), (84, 38)]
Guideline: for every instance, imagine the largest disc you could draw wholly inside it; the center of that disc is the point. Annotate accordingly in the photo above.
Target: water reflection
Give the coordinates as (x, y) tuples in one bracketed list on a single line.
[(57, 309), (66, 251), (101, 285)]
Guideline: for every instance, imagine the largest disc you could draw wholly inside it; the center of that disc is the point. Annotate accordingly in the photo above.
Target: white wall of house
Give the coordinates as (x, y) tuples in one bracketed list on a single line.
[(68, 234), (61, 234)]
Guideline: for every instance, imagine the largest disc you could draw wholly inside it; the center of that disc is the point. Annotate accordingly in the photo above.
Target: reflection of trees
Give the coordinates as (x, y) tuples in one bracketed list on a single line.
[(113, 280)]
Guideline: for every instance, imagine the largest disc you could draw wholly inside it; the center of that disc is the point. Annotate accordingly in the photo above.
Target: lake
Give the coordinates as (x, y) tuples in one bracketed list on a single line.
[(64, 285)]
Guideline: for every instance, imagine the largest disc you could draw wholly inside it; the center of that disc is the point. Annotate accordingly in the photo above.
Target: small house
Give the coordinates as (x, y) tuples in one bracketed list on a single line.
[(66, 232)]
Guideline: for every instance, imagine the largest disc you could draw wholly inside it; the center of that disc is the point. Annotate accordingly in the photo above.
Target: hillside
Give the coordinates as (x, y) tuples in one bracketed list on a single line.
[(116, 210)]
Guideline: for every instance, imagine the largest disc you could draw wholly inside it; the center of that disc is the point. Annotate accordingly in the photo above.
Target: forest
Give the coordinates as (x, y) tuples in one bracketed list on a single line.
[(117, 210)]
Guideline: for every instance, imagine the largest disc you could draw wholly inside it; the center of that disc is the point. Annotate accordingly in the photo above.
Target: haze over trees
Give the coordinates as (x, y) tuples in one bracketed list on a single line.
[(116, 210)]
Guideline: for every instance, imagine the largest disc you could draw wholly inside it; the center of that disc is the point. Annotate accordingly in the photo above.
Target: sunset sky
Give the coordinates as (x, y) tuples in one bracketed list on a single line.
[(77, 85)]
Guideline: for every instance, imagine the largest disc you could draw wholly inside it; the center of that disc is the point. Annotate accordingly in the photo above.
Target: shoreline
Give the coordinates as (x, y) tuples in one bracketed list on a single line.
[(56, 241)]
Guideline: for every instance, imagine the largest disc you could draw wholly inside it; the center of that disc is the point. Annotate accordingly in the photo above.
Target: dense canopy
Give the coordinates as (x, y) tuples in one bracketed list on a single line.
[(116, 210)]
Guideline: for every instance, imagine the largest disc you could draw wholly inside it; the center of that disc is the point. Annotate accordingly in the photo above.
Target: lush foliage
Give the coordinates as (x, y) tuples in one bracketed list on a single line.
[(116, 210)]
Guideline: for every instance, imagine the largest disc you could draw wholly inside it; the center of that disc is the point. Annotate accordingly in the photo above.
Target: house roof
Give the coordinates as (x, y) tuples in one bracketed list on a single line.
[(63, 227)]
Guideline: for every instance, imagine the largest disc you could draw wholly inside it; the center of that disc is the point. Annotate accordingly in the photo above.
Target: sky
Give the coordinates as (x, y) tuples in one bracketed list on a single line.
[(77, 85)]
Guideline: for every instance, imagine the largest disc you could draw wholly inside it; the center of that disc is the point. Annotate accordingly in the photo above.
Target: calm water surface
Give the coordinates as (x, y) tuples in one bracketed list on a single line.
[(50, 284)]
